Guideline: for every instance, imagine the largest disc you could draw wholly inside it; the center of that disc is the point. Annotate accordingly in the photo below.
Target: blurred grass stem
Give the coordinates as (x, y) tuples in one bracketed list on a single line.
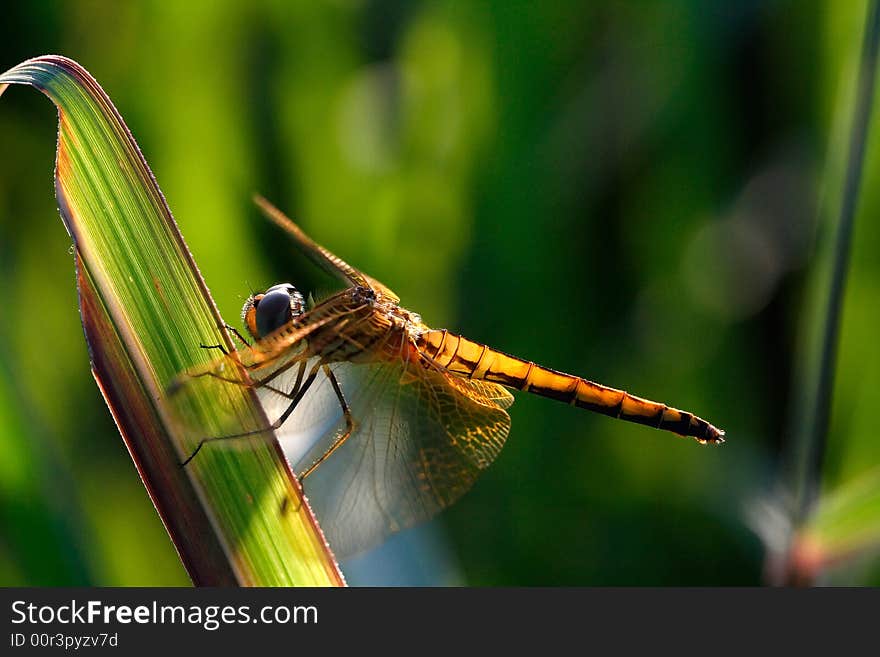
[(816, 437)]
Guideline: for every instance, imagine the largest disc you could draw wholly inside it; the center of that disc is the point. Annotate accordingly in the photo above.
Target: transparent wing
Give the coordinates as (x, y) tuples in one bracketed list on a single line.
[(486, 390), (321, 256), (316, 419), (421, 439)]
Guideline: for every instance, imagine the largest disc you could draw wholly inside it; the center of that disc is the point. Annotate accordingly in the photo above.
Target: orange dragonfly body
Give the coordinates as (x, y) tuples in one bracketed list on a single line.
[(386, 420)]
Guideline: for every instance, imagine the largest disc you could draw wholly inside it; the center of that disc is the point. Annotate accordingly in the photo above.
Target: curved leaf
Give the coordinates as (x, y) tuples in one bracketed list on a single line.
[(145, 311)]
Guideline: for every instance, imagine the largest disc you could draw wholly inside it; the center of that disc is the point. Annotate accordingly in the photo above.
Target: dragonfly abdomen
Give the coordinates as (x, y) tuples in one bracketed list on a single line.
[(473, 360)]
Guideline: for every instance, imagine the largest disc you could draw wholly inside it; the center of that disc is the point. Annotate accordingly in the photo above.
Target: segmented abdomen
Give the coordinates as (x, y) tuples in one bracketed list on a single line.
[(473, 360)]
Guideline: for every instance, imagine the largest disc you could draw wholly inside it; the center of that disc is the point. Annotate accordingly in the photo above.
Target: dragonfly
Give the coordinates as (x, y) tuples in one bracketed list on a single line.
[(385, 420)]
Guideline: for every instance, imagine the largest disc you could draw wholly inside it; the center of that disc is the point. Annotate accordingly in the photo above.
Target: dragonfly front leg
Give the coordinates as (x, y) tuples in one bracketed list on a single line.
[(296, 386), (234, 331), (310, 379), (180, 380), (250, 382), (349, 425)]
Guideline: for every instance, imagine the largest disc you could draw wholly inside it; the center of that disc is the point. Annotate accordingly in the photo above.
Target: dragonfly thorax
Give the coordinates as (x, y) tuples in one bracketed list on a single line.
[(264, 313), (362, 294)]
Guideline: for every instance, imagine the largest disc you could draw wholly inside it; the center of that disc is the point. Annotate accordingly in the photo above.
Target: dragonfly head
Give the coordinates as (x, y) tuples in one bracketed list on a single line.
[(264, 313)]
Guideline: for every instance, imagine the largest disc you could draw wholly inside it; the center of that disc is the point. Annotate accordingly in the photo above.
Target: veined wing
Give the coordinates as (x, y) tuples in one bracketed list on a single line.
[(322, 257), (421, 439), (484, 390)]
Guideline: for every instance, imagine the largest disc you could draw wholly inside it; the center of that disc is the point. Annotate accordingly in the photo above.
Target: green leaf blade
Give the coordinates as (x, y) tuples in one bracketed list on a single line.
[(145, 310)]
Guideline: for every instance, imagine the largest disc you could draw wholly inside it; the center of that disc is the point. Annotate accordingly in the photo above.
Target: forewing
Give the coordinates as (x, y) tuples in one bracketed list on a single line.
[(321, 256), (421, 439)]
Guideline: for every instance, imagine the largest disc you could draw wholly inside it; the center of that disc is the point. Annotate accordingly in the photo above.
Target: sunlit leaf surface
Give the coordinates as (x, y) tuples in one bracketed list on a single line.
[(146, 310)]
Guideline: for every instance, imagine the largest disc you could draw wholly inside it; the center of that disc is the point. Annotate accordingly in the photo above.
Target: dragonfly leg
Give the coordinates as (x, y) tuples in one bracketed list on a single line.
[(272, 427), (349, 425), (289, 394), (235, 332), (238, 335), (181, 379), (285, 506)]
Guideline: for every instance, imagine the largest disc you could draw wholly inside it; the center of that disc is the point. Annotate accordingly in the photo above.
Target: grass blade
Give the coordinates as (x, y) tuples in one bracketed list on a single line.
[(816, 435), (145, 310)]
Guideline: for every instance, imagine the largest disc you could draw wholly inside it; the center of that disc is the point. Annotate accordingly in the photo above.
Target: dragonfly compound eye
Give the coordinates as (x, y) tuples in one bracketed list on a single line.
[(279, 305)]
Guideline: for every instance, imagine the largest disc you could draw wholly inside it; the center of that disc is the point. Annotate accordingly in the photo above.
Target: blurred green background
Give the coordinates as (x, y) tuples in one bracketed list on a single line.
[(629, 191)]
